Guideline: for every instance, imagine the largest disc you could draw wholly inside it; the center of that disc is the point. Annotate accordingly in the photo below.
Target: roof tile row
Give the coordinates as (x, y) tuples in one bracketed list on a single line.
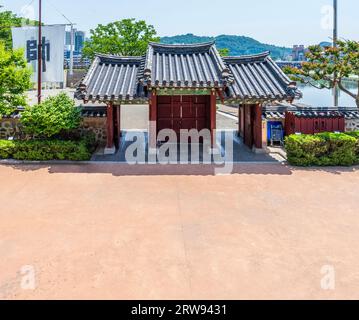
[(115, 78), (258, 77)]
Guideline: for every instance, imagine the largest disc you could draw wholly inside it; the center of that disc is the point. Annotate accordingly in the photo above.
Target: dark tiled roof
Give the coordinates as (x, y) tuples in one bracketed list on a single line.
[(257, 77), (197, 65), (278, 112), (246, 79), (351, 114), (111, 78), (327, 114), (86, 112), (15, 115), (94, 112), (270, 115)]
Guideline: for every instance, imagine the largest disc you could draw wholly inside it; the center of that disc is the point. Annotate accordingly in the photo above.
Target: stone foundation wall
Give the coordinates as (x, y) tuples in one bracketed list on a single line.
[(351, 125), (97, 125), (9, 127)]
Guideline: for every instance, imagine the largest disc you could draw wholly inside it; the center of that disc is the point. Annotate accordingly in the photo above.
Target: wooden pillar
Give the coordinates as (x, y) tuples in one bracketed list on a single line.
[(153, 120), (258, 126), (240, 121), (213, 117), (110, 127), (247, 130), (118, 125)]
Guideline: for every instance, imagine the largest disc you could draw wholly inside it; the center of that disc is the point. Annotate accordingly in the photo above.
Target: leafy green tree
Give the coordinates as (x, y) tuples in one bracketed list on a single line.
[(224, 52), (127, 37), (8, 20), (329, 66), (14, 79), (54, 116)]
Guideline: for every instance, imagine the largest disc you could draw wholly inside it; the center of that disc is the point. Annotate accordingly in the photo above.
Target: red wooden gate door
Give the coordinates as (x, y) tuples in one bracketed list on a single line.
[(182, 112), (248, 126)]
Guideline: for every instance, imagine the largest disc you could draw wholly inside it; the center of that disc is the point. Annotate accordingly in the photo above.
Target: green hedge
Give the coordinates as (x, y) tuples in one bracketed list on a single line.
[(323, 149), (7, 149), (42, 150), (356, 136)]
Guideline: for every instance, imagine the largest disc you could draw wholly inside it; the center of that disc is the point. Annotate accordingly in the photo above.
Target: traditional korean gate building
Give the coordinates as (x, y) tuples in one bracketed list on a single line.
[(182, 84)]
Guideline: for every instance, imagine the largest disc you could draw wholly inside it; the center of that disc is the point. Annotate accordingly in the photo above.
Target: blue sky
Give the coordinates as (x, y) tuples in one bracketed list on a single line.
[(280, 22)]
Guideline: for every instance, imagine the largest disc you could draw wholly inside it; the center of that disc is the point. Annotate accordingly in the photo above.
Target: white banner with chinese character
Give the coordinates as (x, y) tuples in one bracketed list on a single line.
[(53, 41)]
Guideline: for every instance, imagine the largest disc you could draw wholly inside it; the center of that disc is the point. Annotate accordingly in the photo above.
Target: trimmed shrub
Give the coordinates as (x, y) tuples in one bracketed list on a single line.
[(7, 149), (304, 150), (355, 135), (341, 150), (323, 149), (52, 117), (88, 137), (42, 150)]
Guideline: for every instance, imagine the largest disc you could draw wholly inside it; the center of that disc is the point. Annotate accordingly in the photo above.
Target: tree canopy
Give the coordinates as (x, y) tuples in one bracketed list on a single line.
[(14, 79), (224, 52), (8, 20), (329, 66), (127, 37)]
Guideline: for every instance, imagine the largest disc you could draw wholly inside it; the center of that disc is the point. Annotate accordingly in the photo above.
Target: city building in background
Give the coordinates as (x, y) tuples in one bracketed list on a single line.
[(79, 41), (298, 53)]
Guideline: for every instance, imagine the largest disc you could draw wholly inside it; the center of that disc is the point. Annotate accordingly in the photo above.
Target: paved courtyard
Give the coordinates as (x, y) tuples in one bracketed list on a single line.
[(177, 232), (229, 147)]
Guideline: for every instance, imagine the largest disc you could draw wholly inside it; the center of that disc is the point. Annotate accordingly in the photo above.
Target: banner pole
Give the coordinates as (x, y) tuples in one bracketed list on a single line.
[(335, 42), (72, 51), (39, 56)]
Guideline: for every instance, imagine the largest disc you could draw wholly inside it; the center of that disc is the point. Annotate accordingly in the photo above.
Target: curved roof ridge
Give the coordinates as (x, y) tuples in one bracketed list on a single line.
[(190, 65), (257, 56), (117, 57), (188, 46)]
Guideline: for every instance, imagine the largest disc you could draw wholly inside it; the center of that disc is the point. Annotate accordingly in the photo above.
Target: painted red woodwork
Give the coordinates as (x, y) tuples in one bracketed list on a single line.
[(240, 121), (341, 124), (294, 124), (220, 95), (110, 126), (213, 117), (257, 126), (248, 126), (183, 112), (153, 120), (117, 124), (252, 125)]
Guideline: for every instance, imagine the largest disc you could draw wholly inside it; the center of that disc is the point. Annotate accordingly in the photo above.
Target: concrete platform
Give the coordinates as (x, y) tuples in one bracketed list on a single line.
[(235, 151)]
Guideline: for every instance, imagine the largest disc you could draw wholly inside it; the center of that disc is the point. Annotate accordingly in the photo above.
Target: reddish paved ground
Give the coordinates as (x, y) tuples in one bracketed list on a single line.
[(113, 232)]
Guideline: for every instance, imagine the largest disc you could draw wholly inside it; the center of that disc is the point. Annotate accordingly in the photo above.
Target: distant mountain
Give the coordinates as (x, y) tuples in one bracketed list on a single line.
[(237, 45)]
